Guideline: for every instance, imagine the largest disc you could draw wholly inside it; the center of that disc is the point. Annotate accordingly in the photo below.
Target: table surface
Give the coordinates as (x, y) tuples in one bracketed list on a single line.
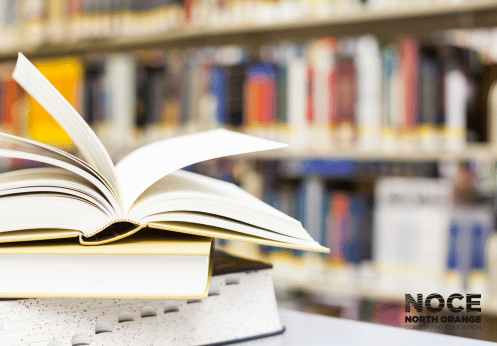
[(304, 329)]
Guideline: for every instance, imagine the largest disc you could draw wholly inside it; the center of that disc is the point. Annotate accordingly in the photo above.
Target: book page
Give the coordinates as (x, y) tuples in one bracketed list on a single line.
[(146, 165), (20, 148), (204, 219), (40, 89), (187, 191), (52, 180)]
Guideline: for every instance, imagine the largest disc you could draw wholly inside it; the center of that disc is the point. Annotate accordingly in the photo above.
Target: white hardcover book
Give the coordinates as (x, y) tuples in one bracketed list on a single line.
[(369, 107), (433, 223), (456, 95), (120, 74), (297, 95), (241, 306), (323, 63)]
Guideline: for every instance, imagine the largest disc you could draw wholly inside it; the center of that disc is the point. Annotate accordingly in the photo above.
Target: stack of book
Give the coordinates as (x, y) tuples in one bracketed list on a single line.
[(153, 223)]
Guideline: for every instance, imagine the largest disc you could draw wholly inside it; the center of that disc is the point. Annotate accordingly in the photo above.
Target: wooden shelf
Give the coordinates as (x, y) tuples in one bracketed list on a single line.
[(473, 152), (422, 20), (120, 146)]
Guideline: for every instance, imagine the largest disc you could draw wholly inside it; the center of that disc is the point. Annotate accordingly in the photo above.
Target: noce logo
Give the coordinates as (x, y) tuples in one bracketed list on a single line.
[(453, 303)]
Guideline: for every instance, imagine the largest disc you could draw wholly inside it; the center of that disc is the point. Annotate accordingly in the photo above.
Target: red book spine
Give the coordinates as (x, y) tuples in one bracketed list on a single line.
[(251, 103), (346, 92), (272, 113), (263, 114), (310, 94), (10, 98), (409, 55), (333, 98), (188, 10)]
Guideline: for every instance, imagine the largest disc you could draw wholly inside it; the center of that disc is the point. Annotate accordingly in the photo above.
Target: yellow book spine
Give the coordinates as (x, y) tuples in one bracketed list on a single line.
[(65, 75)]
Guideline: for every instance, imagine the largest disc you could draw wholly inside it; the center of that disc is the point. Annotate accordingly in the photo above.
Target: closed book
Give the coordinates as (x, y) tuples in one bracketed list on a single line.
[(431, 96), (138, 267), (409, 73), (241, 296), (10, 98)]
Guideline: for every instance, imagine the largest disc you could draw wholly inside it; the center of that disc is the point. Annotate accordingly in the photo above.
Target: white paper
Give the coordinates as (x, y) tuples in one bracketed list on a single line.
[(58, 163), (22, 148), (61, 110), (146, 165)]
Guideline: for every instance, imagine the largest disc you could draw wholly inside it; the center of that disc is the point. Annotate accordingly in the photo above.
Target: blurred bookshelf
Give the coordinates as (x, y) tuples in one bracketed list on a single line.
[(482, 152), (331, 79), (182, 30)]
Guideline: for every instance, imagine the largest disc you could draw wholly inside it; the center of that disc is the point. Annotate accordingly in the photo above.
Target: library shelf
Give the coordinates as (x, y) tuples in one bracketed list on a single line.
[(303, 150), (345, 285), (346, 292), (383, 22), (120, 145), (471, 152)]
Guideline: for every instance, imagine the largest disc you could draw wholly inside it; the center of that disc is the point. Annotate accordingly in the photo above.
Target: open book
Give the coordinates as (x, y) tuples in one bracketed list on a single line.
[(98, 202)]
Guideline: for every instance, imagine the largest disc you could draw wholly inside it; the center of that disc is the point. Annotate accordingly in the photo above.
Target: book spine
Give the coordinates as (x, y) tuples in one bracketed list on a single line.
[(219, 91), (174, 93), (409, 69), (121, 75), (297, 86), (390, 97), (430, 94), (456, 103), (65, 75), (368, 65), (314, 195), (10, 101)]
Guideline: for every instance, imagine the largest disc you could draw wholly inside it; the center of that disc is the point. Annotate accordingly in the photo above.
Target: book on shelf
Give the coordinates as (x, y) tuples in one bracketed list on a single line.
[(98, 203), (65, 75), (411, 229), (317, 95), (420, 224), (241, 296)]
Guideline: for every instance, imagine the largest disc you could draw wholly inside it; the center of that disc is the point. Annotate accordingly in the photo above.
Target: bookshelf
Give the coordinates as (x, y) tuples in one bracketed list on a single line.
[(348, 284), (472, 151), (422, 20), (384, 23), (478, 151), (339, 284)]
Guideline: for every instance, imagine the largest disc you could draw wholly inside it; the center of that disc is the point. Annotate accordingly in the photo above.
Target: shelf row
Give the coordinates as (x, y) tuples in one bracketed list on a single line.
[(338, 285), (53, 28), (332, 98), (119, 145)]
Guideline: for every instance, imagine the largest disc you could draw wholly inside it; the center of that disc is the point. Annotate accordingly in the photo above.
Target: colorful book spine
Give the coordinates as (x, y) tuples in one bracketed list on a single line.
[(347, 93), (390, 97), (10, 101), (409, 74), (261, 92), (65, 75)]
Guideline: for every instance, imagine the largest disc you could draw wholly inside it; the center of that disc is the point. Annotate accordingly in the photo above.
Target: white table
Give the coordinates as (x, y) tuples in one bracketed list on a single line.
[(303, 329)]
